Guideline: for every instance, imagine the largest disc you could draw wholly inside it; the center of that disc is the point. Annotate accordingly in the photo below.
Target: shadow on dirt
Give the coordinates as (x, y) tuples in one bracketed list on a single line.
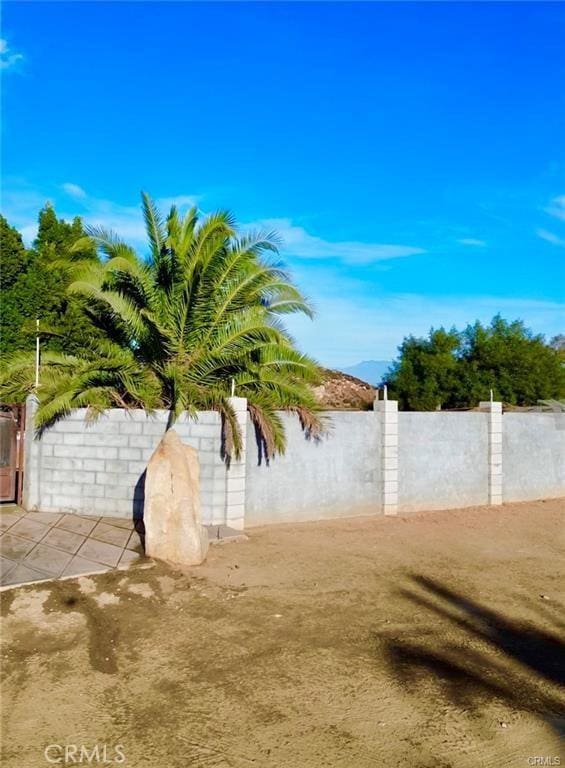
[(494, 655)]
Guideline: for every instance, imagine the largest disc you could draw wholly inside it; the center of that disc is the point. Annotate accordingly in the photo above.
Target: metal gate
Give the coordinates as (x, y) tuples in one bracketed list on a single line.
[(11, 452)]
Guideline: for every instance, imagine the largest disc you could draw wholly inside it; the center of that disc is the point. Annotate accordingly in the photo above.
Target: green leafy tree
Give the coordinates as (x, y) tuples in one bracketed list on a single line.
[(13, 255), (200, 315), (34, 286), (426, 375), (558, 344), (515, 363), (14, 261), (458, 369)]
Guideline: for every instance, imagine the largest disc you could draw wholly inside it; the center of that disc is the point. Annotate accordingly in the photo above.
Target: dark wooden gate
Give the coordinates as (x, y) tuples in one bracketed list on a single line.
[(11, 452)]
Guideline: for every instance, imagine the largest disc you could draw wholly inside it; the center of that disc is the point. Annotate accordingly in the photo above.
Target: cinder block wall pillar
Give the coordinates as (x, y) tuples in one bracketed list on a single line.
[(494, 411), (31, 490), (387, 411), (235, 473)]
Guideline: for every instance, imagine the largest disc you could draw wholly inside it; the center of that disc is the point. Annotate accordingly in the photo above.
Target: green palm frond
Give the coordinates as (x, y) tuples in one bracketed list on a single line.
[(204, 309), (108, 243), (154, 226)]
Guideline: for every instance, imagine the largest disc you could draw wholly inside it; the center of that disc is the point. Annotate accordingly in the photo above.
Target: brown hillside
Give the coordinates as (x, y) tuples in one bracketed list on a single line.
[(342, 392)]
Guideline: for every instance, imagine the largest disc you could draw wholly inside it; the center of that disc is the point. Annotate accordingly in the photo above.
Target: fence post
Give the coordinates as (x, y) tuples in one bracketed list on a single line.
[(32, 455), (235, 473), (494, 410), (388, 415)]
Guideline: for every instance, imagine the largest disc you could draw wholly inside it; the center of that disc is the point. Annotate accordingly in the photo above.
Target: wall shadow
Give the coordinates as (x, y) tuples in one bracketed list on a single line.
[(138, 507), (482, 652), (307, 431), (261, 444)]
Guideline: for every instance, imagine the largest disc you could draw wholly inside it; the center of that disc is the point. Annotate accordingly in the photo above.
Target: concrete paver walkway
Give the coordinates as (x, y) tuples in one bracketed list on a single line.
[(45, 545)]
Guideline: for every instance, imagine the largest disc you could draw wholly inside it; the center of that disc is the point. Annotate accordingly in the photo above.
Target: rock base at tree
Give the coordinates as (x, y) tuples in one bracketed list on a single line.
[(173, 528)]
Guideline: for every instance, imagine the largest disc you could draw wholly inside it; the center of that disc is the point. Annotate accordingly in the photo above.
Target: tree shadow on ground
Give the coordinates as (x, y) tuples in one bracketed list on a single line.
[(482, 653)]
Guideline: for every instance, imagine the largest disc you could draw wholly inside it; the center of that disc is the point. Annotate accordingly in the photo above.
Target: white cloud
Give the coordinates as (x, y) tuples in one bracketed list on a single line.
[(472, 241), (350, 325), (557, 207), (127, 220), (300, 243), (8, 58), (180, 201), (347, 330), (550, 237), (73, 189), (21, 204)]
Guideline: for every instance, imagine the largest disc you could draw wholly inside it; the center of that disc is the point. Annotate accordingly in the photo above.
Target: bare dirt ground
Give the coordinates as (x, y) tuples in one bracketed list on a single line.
[(430, 640)]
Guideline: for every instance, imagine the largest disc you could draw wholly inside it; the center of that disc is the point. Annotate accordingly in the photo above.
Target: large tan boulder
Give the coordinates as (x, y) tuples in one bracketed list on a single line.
[(173, 529)]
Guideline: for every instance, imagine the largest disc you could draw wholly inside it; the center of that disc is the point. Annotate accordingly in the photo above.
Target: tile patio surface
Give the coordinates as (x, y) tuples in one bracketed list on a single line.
[(46, 545)]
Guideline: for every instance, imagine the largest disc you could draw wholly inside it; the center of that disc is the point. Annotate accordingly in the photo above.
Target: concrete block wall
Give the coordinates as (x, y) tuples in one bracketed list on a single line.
[(235, 473), (339, 476), (443, 460), (494, 411), (388, 462), (373, 462), (533, 456), (98, 467), (388, 417)]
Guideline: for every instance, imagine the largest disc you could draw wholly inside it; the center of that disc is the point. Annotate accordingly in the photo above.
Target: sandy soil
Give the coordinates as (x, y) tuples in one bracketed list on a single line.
[(431, 640)]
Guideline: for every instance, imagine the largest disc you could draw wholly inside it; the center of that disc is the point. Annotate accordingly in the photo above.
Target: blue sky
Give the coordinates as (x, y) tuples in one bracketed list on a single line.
[(412, 156)]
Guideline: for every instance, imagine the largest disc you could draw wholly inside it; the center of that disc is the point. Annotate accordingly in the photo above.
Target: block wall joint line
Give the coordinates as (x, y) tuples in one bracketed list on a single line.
[(494, 411), (235, 474), (387, 411), (32, 459)]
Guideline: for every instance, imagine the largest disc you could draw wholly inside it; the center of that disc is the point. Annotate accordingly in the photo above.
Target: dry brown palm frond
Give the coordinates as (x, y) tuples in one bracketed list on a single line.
[(264, 432), (313, 425)]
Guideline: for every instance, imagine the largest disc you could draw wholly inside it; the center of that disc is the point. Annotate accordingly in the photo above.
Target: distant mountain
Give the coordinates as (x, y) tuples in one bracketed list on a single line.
[(371, 371)]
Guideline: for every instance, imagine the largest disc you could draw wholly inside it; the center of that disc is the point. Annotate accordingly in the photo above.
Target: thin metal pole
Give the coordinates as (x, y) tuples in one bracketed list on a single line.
[(37, 354)]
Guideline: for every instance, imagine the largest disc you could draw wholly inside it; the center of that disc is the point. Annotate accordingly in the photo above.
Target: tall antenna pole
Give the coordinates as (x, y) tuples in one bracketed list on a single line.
[(37, 353)]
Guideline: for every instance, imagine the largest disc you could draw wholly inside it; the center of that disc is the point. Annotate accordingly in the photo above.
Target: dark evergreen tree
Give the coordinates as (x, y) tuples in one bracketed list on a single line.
[(14, 260), (13, 255), (35, 287)]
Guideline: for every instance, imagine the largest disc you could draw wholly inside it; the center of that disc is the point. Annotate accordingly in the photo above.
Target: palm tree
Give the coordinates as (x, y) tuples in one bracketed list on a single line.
[(198, 317)]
